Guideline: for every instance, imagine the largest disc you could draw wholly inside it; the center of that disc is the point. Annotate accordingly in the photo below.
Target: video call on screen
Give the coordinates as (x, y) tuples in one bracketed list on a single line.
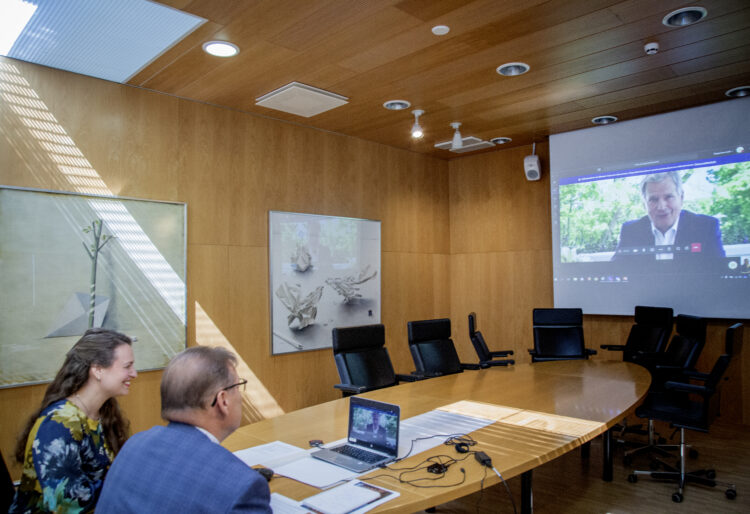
[(655, 211)]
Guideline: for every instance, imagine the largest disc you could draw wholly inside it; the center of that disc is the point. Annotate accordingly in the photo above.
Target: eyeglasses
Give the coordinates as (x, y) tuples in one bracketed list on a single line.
[(241, 383)]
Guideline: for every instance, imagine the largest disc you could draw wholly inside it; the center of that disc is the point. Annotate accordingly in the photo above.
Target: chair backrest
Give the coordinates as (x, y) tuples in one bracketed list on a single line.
[(711, 400), (682, 352), (693, 328), (558, 334), (361, 357), (6, 484), (431, 346), (733, 339), (477, 339), (651, 331)]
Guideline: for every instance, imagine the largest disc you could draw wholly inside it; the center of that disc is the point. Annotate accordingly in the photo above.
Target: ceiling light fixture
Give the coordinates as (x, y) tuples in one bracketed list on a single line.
[(457, 141), (512, 69), (500, 140), (397, 105), (738, 92), (604, 120), (221, 48), (684, 17), (440, 30), (416, 129)]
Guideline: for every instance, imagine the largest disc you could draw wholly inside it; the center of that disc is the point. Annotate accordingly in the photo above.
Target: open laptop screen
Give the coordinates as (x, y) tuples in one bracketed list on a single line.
[(374, 425)]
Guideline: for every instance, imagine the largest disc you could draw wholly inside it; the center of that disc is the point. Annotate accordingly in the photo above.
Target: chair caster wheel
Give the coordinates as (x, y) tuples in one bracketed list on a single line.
[(711, 474), (632, 478), (693, 454), (731, 494), (654, 465), (677, 498), (627, 460)]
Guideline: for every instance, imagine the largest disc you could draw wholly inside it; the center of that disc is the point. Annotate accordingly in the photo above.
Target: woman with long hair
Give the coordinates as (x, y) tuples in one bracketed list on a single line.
[(68, 444)]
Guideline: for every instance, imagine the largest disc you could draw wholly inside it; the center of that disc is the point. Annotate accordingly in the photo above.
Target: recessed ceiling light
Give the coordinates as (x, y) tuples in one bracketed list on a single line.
[(604, 120), (500, 140), (397, 105), (440, 30), (738, 92), (684, 17), (221, 48), (511, 69)]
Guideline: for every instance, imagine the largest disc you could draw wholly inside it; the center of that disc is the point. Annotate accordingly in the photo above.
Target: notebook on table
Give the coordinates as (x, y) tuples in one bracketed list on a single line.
[(372, 438)]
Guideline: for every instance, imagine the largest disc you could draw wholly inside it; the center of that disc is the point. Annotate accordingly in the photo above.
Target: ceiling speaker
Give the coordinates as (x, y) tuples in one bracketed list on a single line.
[(532, 168)]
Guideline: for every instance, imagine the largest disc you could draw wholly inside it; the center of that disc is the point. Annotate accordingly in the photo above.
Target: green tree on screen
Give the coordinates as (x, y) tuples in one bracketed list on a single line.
[(730, 201)]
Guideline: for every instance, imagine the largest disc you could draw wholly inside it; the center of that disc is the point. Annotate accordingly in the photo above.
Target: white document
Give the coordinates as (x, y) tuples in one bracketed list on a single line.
[(315, 472), (432, 428), (280, 504), (352, 497), (270, 454)]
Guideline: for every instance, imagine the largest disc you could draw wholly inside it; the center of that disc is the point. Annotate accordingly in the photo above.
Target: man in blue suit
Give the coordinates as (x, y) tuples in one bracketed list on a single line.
[(682, 235), (182, 467)]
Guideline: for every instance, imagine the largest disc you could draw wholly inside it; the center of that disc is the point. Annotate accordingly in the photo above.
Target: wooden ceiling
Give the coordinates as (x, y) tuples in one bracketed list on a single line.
[(586, 57)]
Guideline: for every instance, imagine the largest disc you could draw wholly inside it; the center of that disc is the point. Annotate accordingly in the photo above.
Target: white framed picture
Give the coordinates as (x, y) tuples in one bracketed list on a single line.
[(324, 272)]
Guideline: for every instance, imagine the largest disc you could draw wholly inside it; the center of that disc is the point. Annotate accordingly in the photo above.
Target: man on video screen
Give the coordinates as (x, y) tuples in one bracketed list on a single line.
[(667, 232)]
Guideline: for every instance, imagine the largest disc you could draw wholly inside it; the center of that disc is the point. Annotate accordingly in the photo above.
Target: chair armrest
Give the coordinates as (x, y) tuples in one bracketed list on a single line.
[(502, 353), (685, 388), (696, 375), (532, 351), (613, 347), (589, 351), (504, 362), (410, 378), (470, 366), (349, 388)]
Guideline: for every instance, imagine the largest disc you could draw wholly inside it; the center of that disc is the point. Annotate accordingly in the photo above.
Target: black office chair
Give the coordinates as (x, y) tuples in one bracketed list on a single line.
[(486, 357), (558, 335), (677, 404), (432, 348), (674, 363), (6, 484), (677, 358), (649, 334), (362, 360)]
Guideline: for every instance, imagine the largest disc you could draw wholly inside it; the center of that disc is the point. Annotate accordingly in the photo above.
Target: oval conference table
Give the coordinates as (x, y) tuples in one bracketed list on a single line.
[(540, 412)]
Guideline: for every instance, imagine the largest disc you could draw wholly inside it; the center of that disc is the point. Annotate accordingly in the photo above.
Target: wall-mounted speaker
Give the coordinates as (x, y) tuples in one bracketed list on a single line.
[(532, 167)]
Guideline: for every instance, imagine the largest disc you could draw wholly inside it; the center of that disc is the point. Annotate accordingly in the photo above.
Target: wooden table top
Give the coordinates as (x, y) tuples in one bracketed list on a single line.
[(542, 410)]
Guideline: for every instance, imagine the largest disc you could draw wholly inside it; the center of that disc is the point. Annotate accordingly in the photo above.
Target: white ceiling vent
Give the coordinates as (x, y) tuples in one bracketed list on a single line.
[(470, 144), (301, 99)]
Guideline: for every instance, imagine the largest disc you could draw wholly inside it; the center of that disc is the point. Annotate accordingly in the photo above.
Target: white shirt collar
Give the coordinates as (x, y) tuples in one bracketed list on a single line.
[(208, 434), (668, 237)]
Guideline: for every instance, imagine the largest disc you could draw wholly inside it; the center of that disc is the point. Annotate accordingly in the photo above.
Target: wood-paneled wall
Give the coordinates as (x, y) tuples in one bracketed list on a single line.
[(467, 235), (230, 168), (501, 268)]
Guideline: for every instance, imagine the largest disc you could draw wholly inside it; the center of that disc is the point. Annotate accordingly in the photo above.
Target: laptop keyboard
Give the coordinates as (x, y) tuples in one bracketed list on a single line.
[(358, 453)]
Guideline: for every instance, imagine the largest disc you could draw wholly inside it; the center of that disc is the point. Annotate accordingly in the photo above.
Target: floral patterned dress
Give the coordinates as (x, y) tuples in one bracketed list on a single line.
[(65, 463)]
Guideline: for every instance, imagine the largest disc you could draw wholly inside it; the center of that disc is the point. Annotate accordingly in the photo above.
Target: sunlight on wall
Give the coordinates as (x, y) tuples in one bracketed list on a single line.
[(75, 173), (257, 402)]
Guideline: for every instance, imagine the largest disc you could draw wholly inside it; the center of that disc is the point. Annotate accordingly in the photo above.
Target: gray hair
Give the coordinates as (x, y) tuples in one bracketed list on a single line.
[(661, 177), (193, 376)]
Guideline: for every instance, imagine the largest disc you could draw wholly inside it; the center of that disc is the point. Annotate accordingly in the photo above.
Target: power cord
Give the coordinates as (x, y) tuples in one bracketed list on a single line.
[(486, 461)]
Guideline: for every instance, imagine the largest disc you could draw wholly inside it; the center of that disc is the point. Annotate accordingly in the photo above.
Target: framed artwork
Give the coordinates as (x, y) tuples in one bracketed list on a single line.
[(69, 262), (324, 272)]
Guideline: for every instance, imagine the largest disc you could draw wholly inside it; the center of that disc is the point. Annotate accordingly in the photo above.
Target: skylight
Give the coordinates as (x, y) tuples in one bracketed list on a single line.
[(108, 39)]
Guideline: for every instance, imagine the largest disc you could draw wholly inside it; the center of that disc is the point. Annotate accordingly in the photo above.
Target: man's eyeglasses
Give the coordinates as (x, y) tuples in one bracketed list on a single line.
[(241, 383)]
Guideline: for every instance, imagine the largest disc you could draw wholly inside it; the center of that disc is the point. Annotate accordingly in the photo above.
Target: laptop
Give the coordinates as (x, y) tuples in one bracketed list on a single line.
[(372, 439)]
